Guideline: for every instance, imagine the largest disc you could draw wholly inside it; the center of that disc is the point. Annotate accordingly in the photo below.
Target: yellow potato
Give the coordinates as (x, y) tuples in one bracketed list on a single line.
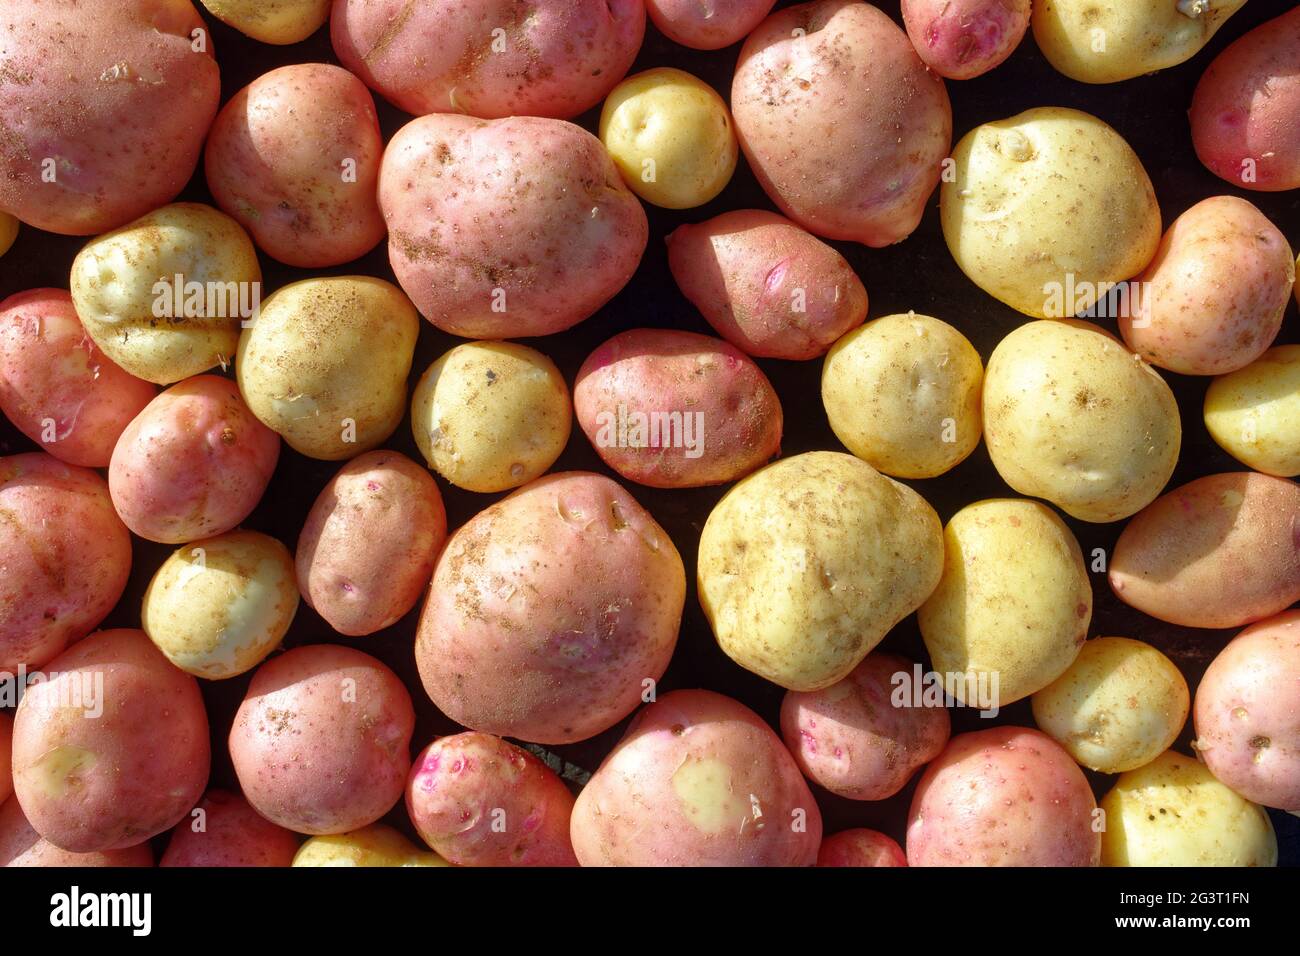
[(8, 232), (903, 394), (1013, 606), (1120, 705), (490, 416), (805, 565), (1172, 812), (272, 21), (218, 607), (1045, 208), (1254, 412), (671, 137), (375, 845), (325, 364)]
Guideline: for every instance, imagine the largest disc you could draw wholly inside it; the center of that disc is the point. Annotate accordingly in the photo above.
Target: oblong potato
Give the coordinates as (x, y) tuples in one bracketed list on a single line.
[(375, 845), (1254, 412), (272, 21)]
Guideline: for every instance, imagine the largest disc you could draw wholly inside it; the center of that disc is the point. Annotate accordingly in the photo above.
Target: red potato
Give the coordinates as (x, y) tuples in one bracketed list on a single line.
[(6, 756), (112, 748), (294, 158), (860, 848), (20, 845), (65, 553), (56, 386), (193, 464), (112, 98), (366, 553), (711, 25), (841, 122), (321, 742), (480, 801), (1007, 796), (223, 830), (963, 39), (767, 286), (698, 780)]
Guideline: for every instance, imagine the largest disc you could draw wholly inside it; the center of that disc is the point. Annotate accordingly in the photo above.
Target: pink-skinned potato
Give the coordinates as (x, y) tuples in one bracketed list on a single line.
[(115, 94), (1007, 796), (20, 845), (113, 749), (860, 847), (707, 26), (481, 801), (65, 553), (842, 124), (963, 39), (6, 756), (550, 611), (321, 742), (57, 387), (698, 780), (294, 158), (193, 464), (766, 285), (223, 830)]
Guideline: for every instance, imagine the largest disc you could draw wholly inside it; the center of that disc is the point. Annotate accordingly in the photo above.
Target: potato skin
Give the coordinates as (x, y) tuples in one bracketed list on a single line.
[(736, 413), (367, 549), (8, 232), (1217, 552), (590, 591), (465, 788), (193, 464), (965, 39), (864, 171), (6, 756), (1007, 796), (107, 782), (860, 848), (1254, 412), (766, 285), (126, 138), (20, 845), (275, 161), (375, 845), (321, 742), (698, 780), (66, 555), (707, 26), (233, 835), (491, 229), (800, 569), (280, 22), (852, 738), (50, 370)]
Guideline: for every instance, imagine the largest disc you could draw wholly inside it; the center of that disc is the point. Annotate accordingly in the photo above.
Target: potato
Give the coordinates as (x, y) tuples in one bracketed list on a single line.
[(165, 295), (8, 232), (1120, 705), (801, 566), (193, 464), (1212, 300), (965, 39), (670, 135), (1013, 607), (697, 780), (1244, 108), (673, 409), (1254, 412), (479, 801), (1007, 796), (1111, 42), (860, 848), (325, 365), (707, 26), (491, 416), (6, 756), (66, 557), (507, 229), (366, 552), (1071, 416), (590, 591), (56, 387), (294, 158), (903, 394), (1246, 706), (1217, 552), (272, 21), (1172, 812), (321, 742), (858, 738), (1048, 210), (20, 845), (112, 749), (841, 122), (375, 845), (105, 109), (217, 607), (223, 830)]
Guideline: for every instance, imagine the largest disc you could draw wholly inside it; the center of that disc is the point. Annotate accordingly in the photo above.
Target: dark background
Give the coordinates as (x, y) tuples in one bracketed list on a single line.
[(919, 273)]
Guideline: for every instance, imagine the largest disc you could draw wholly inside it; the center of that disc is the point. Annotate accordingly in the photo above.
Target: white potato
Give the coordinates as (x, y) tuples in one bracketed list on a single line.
[(272, 21), (1254, 412)]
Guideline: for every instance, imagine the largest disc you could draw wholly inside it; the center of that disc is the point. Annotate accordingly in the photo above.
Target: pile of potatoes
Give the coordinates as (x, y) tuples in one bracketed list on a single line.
[(320, 333)]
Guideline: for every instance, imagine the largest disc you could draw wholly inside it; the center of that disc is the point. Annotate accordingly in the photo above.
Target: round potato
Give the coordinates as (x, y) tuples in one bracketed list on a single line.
[(8, 232), (375, 845), (1254, 412), (326, 364), (223, 830), (1048, 211), (491, 416), (903, 394), (800, 569), (1071, 416), (965, 39), (20, 845), (272, 21), (707, 26), (860, 848)]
